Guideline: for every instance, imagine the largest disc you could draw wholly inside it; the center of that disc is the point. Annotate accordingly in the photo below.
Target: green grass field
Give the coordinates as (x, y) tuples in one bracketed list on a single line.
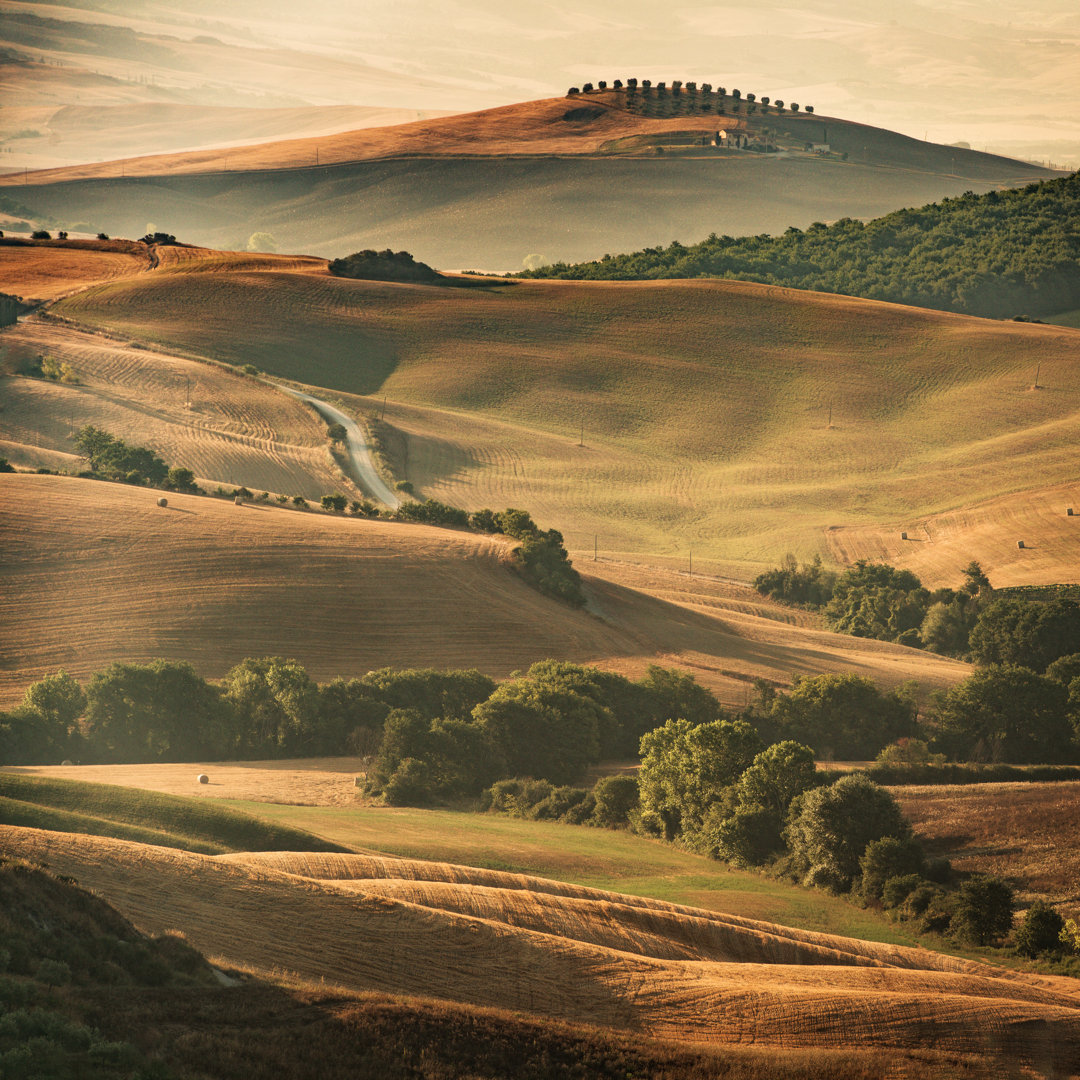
[(706, 405), (146, 817)]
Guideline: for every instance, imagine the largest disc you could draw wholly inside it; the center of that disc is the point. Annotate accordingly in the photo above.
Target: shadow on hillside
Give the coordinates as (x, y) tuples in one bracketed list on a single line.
[(660, 627)]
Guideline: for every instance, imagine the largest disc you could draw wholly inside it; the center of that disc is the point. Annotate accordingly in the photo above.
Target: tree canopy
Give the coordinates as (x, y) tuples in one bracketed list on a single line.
[(999, 254)]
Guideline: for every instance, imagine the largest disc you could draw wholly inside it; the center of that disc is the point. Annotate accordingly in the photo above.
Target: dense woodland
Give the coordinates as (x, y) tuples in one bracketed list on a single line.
[(1002, 254)]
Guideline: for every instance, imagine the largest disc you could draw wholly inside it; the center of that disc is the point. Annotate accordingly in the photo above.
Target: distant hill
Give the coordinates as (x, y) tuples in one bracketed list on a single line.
[(558, 179), (998, 254)]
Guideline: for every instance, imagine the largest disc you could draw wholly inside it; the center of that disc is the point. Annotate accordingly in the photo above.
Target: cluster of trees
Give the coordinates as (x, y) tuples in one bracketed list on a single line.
[(550, 723), (877, 600), (111, 458), (717, 788), (995, 255), (384, 266), (1022, 706), (678, 89)]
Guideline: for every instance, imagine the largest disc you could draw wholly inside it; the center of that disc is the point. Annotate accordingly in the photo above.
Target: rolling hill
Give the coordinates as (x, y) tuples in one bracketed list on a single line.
[(563, 178), (94, 573), (568, 953), (733, 420)]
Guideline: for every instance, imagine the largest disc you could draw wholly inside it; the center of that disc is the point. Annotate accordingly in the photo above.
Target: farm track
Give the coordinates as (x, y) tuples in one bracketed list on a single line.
[(235, 431), (472, 937)]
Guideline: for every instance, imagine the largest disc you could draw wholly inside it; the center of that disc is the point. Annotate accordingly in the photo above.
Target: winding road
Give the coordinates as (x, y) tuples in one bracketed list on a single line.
[(357, 447)]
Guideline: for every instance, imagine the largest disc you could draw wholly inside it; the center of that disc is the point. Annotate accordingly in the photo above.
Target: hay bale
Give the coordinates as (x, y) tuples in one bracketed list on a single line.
[(1068, 511), (903, 536), (203, 778), (239, 500), (163, 501), (1019, 543), (67, 761)]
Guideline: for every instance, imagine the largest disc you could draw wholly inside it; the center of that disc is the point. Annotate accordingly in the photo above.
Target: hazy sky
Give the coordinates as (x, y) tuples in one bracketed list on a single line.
[(985, 72), (998, 75)]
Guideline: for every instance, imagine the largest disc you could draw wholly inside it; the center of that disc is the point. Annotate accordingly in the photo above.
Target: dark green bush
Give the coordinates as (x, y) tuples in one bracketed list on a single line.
[(1040, 931)]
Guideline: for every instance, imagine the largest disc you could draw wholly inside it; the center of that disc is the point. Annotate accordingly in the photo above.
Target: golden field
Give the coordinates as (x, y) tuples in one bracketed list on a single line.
[(92, 573), (560, 952), (706, 408), (1023, 832), (586, 124)]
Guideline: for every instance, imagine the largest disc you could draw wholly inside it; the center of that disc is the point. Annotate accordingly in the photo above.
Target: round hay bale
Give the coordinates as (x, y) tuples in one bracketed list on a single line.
[(67, 761), (903, 536), (163, 501), (1019, 543), (1068, 511), (239, 500), (203, 778)]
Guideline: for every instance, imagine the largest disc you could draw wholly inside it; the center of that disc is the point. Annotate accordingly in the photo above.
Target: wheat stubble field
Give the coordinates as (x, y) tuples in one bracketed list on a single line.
[(563, 952), (706, 407), (92, 573)]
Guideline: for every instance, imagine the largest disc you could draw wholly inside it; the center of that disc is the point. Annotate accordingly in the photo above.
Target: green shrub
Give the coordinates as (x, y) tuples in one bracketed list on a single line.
[(889, 858), (53, 973), (896, 890), (829, 829), (1040, 931), (984, 910), (616, 798), (749, 837), (409, 785)]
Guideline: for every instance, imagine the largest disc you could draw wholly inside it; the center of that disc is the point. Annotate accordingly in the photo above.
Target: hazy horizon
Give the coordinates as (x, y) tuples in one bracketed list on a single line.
[(997, 78)]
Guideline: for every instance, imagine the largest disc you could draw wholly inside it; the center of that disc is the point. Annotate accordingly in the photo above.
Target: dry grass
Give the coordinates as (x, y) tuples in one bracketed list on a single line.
[(585, 125), (44, 271), (235, 430), (1024, 832), (734, 982), (92, 573), (302, 782), (705, 404), (937, 544), (535, 127)]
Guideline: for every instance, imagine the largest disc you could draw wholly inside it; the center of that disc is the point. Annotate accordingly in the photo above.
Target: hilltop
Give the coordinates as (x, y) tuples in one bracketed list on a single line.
[(532, 179), (736, 420)]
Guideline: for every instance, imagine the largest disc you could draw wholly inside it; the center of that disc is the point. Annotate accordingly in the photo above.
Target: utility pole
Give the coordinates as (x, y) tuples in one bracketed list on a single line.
[(830, 414), (691, 562), (1038, 368), (581, 441), (594, 544)]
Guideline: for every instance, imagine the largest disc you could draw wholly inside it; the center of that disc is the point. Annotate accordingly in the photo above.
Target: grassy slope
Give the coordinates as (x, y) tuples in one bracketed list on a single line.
[(706, 403), (620, 963), (119, 578), (141, 816), (1024, 832), (595, 858)]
